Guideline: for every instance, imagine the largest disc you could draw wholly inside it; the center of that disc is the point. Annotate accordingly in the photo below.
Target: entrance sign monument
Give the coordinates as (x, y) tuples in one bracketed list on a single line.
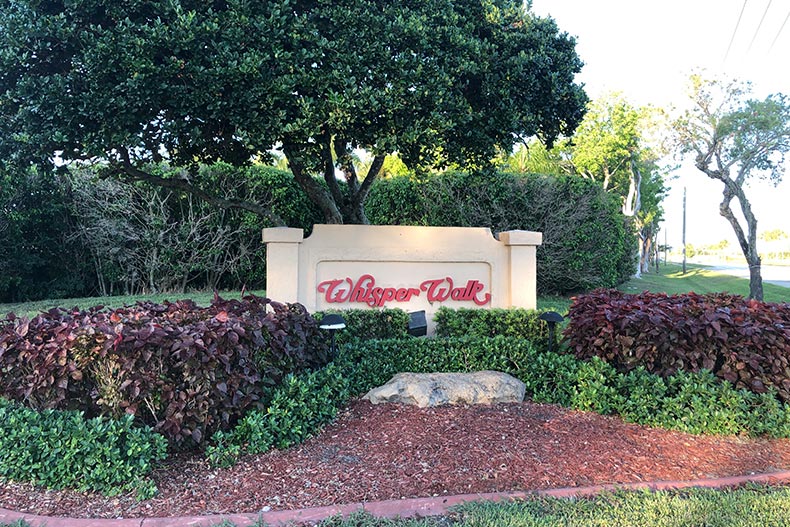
[(411, 268)]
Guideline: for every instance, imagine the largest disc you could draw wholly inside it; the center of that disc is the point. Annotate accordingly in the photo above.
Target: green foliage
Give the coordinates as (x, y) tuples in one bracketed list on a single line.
[(646, 392), (398, 200), (61, 449), (297, 409), (39, 257), (691, 402), (596, 390), (700, 403), (367, 324), (198, 82), (585, 242), (513, 322)]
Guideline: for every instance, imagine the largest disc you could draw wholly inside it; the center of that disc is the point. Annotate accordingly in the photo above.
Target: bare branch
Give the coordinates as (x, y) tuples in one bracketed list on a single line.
[(183, 184)]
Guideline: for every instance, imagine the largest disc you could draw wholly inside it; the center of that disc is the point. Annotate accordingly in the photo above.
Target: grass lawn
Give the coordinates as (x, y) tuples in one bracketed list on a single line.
[(699, 279), (750, 506), (31, 309)]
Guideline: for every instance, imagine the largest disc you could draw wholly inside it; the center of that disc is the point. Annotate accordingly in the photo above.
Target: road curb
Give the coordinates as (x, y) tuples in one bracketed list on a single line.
[(405, 508)]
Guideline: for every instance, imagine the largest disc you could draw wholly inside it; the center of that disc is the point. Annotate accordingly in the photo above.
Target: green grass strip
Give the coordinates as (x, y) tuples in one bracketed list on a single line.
[(31, 309), (745, 507), (671, 280)]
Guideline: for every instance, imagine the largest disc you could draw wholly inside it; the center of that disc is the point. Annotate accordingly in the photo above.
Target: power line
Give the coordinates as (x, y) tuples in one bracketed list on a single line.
[(779, 32), (756, 31), (734, 31)]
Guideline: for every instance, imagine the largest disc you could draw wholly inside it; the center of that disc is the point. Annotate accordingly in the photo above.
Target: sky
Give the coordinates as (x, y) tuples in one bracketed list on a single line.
[(646, 50)]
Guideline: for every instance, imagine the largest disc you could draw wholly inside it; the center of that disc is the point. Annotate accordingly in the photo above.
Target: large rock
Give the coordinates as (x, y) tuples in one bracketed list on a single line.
[(434, 389)]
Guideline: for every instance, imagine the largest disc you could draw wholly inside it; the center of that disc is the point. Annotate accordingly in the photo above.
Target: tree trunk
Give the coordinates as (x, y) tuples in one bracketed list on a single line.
[(755, 280), (647, 247), (748, 243), (315, 192)]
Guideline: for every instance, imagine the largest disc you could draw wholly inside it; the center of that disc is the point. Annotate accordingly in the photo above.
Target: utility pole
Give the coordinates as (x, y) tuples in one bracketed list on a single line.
[(666, 247), (684, 230)]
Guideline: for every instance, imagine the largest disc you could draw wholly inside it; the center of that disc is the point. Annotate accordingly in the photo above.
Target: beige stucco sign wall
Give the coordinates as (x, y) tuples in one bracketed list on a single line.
[(412, 268)]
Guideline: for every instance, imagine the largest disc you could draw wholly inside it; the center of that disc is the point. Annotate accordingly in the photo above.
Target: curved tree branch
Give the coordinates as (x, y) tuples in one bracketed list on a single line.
[(134, 173)]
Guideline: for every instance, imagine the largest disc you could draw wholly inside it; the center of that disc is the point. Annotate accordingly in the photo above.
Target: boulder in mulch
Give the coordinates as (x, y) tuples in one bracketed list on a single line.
[(435, 389)]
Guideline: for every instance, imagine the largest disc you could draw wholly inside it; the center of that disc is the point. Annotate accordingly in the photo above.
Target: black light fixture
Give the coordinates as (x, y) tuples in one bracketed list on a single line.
[(332, 323), (418, 325), (552, 318)]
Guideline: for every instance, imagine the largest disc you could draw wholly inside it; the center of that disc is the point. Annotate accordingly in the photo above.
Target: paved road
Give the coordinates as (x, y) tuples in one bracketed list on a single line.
[(773, 274)]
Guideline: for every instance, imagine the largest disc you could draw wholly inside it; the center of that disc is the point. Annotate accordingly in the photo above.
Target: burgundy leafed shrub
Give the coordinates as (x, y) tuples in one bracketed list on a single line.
[(743, 341), (184, 370)]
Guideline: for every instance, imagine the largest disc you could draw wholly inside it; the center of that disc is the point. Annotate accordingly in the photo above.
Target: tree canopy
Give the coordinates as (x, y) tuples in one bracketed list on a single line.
[(615, 146), (733, 138), (188, 82)]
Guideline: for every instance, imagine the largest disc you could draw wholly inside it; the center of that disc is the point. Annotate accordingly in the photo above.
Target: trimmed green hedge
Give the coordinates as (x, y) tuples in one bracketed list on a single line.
[(63, 449), (366, 324), (511, 322), (691, 402)]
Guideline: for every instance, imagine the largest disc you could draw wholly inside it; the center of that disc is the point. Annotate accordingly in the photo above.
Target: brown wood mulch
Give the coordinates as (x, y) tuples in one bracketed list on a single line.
[(390, 451)]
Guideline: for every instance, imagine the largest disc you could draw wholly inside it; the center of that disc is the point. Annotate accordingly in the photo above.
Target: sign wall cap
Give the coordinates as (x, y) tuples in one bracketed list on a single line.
[(283, 235), (521, 238)]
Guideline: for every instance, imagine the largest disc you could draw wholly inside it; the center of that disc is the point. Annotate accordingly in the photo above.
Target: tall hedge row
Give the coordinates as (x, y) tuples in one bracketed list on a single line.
[(585, 242)]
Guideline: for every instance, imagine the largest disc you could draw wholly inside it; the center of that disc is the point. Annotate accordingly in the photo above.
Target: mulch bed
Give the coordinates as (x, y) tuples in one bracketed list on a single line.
[(393, 451)]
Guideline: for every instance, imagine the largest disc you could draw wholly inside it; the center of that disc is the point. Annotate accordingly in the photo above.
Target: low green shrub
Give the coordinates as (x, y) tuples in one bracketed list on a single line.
[(596, 388), (691, 402), (63, 449), (369, 324), (646, 393), (700, 403), (511, 322), (298, 408)]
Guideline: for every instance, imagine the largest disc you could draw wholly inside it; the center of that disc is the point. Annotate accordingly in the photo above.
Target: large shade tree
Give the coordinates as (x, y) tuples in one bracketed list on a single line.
[(733, 138), (186, 82)]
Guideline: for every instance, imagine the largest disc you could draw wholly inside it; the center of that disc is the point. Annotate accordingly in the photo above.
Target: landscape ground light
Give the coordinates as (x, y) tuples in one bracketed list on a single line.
[(332, 323), (552, 318)]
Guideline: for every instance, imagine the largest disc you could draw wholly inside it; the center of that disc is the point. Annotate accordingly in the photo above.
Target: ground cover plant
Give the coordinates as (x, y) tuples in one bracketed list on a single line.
[(61, 449)]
